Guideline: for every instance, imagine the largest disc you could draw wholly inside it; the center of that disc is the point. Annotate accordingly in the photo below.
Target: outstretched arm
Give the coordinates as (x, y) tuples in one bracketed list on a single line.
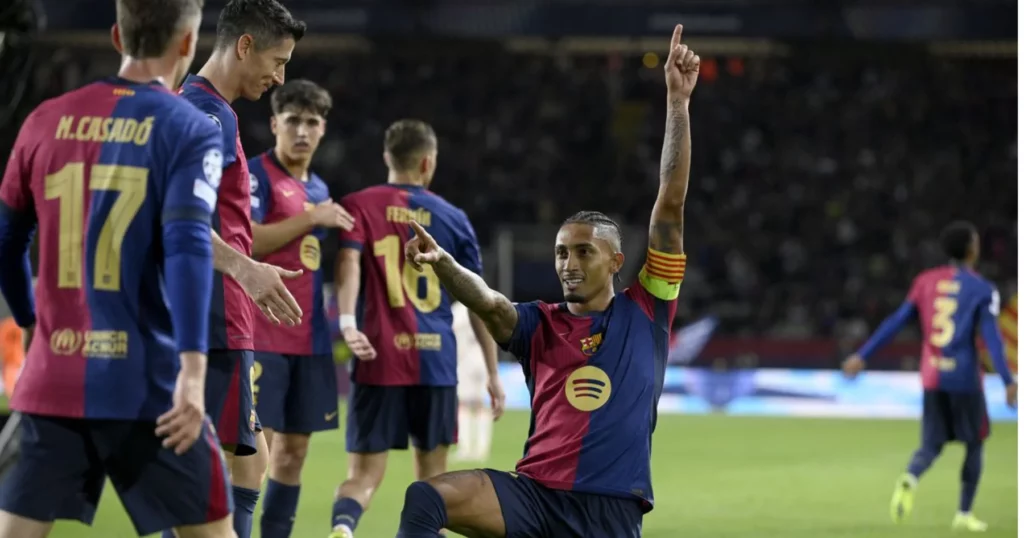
[(493, 308), (681, 69)]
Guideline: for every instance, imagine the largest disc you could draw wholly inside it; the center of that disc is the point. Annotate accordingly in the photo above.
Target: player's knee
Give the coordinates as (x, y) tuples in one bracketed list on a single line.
[(289, 456), (424, 499), (216, 529)]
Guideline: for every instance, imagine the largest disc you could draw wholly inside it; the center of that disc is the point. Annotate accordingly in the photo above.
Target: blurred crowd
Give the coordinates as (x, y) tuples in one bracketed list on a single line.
[(819, 180)]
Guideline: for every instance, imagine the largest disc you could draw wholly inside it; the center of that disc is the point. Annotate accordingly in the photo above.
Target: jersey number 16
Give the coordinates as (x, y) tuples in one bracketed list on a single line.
[(403, 281), (67, 186)]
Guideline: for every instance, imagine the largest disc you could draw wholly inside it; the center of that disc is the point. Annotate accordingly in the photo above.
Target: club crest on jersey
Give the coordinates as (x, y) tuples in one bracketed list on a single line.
[(590, 344), (588, 388)]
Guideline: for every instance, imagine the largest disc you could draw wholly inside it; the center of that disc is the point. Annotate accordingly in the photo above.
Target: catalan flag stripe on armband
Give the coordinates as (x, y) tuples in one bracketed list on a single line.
[(665, 266)]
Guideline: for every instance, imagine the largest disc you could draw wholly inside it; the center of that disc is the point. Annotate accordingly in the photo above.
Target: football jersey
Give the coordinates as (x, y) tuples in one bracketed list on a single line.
[(948, 301), (405, 313), (594, 383), (278, 196), (100, 168), (231, 312)]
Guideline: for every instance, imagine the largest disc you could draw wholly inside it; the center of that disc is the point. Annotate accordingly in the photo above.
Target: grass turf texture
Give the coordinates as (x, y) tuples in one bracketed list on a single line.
[(715, 476)]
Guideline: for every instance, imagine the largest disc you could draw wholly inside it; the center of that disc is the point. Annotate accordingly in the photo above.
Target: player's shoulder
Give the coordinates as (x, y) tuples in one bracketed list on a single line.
[(371, 194), (257, 165), (212, 105)]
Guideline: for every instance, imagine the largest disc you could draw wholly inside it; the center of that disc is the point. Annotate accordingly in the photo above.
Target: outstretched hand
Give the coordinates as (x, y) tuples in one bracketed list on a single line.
[(422, 249), (681, 67)]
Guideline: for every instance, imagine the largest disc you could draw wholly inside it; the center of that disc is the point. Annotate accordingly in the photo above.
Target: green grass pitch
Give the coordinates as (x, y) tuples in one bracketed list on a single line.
[(716, 477)]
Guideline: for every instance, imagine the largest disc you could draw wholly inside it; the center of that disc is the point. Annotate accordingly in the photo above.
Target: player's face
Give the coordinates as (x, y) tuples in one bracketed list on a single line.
[(263, 69), (585, 262), (298, 132)]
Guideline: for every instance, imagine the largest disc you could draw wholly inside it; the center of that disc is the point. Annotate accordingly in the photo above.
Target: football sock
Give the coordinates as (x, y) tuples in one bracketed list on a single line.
[(279, 506), (424, 513), (346, 512), (923, 459), (245, 507), (970, 475)]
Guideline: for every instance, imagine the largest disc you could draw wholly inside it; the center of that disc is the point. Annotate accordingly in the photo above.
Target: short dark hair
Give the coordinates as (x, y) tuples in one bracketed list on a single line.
[(304, 95), (267, 21), (956, 239), (147, 27), (406, 139)]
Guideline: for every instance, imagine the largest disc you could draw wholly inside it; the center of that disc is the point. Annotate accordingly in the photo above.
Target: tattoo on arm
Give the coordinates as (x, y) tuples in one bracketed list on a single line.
[(496, 311), (666, 230)]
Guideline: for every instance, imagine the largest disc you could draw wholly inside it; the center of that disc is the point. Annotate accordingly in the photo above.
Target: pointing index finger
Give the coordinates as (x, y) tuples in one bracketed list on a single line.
[(677, 35), (420, 232)]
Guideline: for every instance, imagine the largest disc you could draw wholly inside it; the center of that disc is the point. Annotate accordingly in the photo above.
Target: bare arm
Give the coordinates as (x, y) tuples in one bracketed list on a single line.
[(666, 230), (267, 238), (347, 281), (487, 343), (681, 69), (497, 313), (226, 259)]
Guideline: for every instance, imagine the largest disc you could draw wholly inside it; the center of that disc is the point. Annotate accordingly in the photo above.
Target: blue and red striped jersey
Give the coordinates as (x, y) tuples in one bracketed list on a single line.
[(278, 196), (594, 384), (231, 312), (405, 313), (100, 168), (950, 301)]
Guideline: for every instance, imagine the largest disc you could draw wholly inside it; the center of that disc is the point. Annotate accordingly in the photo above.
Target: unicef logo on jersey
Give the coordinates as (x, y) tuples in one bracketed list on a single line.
[(588, 388)]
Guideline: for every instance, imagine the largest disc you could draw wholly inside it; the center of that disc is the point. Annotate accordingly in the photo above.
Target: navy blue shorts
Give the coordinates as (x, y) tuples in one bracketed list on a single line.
[(296, 394), (532, 510), (382, 418), (954, 416), (229, 376), (64, 461)]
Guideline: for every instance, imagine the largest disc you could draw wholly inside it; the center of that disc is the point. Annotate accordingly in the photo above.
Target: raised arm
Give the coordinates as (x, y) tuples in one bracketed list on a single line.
[(681, 69), (494, 309)]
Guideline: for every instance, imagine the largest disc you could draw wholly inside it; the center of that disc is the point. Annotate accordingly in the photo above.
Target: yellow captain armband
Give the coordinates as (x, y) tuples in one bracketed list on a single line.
[(662, 274)]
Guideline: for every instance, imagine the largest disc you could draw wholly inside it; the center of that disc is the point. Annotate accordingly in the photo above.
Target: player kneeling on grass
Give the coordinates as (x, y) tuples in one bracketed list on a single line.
[(953, 303), (114, 175), (295, 389), (595, 365)]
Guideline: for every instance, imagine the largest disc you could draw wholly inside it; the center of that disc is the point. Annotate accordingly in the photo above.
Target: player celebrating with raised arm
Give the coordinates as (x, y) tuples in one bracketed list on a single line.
[(953, 303), (295, 386), (255, 39), (404, 378), (114, 176), (595, 366)]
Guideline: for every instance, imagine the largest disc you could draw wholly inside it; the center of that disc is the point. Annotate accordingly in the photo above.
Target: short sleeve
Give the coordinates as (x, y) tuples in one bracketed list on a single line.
[(468, 249), (221, 116), (16, 187), (259, 194), (356, 237), (190, 192), (522, 335)]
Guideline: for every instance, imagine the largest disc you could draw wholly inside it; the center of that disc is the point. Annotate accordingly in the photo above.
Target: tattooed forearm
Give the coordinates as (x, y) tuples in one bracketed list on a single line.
[(675, 152), (666, 232), (496, 311)]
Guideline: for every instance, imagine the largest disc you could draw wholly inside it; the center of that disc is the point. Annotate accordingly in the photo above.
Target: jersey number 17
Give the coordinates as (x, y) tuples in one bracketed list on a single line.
[(67, 186)]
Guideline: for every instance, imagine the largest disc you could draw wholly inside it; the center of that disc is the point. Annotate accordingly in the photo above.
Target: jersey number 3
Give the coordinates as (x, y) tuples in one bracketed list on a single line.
[(943, 326), (404, 281), (67, 186)]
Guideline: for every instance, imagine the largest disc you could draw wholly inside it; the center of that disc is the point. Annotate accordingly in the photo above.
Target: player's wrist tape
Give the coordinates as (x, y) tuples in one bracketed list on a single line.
[(346, 321)]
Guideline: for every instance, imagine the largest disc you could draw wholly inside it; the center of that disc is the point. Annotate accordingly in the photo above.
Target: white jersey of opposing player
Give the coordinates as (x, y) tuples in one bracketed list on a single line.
[(471, 369)]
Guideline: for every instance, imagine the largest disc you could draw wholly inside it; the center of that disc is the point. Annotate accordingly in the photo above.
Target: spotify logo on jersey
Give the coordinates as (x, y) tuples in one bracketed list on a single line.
[(588, 388)]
